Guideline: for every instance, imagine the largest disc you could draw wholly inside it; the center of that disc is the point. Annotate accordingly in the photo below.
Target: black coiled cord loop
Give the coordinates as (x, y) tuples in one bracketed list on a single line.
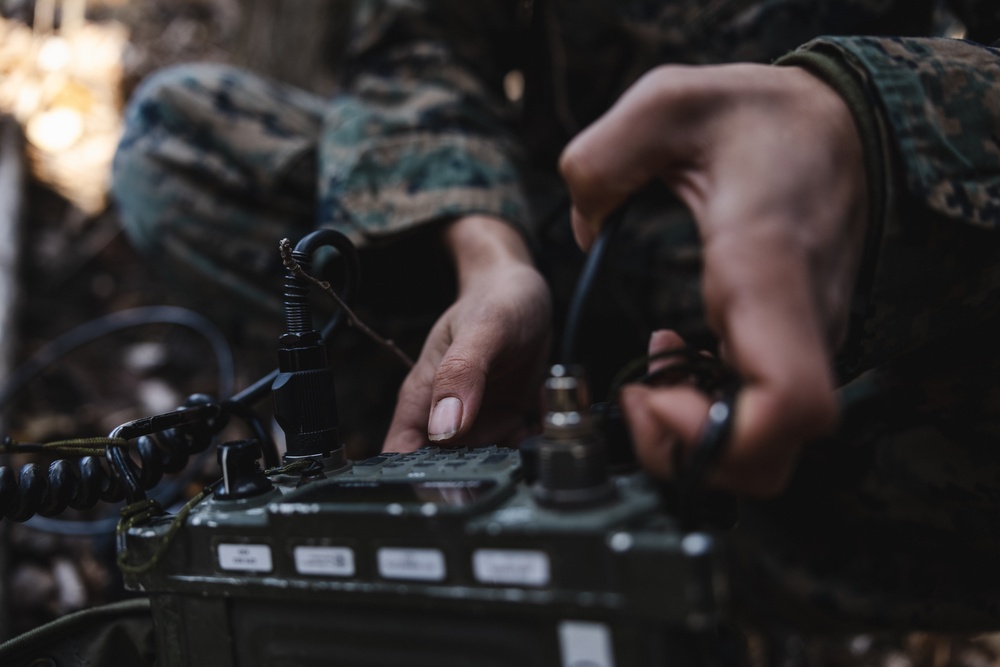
[(48, 491), (182, 432), (164, 444), (298, 315)]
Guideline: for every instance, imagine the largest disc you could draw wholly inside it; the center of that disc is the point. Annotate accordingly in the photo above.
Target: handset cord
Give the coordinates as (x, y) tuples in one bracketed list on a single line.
[(63, 484), (569, 351), (714, 435)]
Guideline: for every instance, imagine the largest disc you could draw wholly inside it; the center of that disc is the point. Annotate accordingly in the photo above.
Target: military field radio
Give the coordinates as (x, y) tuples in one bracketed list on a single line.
[(483, 556)]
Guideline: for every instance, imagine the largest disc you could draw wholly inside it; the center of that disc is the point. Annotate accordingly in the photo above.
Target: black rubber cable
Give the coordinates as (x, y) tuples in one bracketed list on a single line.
[(99, 328), (717, 429), (569, 354), (296, 311), (113, 323), (170, 315)]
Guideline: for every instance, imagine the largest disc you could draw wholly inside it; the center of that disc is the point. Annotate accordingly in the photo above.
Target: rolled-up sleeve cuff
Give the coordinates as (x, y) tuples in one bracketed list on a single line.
[(377, 184)]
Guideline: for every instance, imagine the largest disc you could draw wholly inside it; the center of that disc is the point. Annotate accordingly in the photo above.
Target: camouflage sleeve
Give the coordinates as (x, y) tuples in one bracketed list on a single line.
[(420, 131), (931, 262), (940, 100)]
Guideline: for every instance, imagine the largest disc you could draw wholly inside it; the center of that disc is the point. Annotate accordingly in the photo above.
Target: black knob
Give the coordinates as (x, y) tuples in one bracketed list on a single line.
[(241, 474)]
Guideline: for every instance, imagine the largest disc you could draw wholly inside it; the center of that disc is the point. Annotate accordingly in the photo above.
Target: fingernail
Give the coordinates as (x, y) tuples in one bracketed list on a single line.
[(445, 419)]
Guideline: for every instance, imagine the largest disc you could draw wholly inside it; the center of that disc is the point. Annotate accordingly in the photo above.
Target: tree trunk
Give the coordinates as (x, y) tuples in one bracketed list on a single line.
[(12, 184)]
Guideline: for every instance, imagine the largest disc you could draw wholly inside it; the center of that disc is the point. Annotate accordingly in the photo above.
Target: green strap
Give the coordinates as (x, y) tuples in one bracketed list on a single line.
[(70, 624), (142, 512)]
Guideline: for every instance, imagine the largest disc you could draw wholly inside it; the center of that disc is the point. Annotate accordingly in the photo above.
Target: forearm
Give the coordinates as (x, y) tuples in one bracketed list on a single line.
[(480, 245), (932, 250)]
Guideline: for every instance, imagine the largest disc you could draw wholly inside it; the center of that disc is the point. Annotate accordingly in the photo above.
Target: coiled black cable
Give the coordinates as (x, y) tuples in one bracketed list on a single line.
[(49, 491), (165, 441), (81, 483)]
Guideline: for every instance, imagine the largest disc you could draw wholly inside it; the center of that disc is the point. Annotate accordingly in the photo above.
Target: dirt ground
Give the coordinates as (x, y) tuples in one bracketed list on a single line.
[(77, 266)]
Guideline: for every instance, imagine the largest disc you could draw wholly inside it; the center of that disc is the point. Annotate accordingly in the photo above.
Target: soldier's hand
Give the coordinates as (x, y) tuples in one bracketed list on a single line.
[(479, 368), (769, 161)]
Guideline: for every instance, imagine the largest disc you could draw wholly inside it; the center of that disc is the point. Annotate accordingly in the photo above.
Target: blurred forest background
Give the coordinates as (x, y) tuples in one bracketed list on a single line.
[(67, 67)]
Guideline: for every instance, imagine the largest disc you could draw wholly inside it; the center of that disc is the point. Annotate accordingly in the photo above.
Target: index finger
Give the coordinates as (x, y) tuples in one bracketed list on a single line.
[(759, 299), (612, 158)]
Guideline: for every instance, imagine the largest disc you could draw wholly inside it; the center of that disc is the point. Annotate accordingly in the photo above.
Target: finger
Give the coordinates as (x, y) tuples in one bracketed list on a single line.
[(659, 421), (459, 385), (662, 340), (408, 430), (758, 299), (615, 156)]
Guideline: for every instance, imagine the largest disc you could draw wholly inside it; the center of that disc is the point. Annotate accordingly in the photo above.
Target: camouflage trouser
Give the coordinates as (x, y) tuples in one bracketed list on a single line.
[(892, 523), (216, 166), (212, 171)]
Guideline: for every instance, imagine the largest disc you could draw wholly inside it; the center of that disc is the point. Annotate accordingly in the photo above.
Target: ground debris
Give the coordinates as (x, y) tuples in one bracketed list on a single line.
[(66, 81)]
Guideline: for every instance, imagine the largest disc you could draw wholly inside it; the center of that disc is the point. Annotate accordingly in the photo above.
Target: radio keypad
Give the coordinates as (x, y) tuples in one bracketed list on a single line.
[(433, 461)]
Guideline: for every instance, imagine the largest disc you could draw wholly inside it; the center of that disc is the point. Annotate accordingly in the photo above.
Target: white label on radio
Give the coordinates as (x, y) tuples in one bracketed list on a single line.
[(332, 561), (511, 567), (412, 564), (245, 557), (585, 644)]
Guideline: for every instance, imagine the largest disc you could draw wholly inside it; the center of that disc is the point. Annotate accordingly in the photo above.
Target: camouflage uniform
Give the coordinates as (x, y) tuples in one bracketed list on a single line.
[(892, 523)]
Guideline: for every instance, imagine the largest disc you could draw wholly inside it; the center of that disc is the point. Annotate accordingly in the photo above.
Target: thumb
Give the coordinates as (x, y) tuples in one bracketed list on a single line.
[(457, 391)]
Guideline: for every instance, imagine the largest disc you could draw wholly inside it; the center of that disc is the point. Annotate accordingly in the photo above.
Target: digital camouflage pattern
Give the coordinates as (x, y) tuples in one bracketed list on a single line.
[(891, 524)]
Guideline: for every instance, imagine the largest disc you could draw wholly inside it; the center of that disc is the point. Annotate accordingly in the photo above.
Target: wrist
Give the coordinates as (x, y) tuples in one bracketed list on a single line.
[(480, 245), (849, 87)]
